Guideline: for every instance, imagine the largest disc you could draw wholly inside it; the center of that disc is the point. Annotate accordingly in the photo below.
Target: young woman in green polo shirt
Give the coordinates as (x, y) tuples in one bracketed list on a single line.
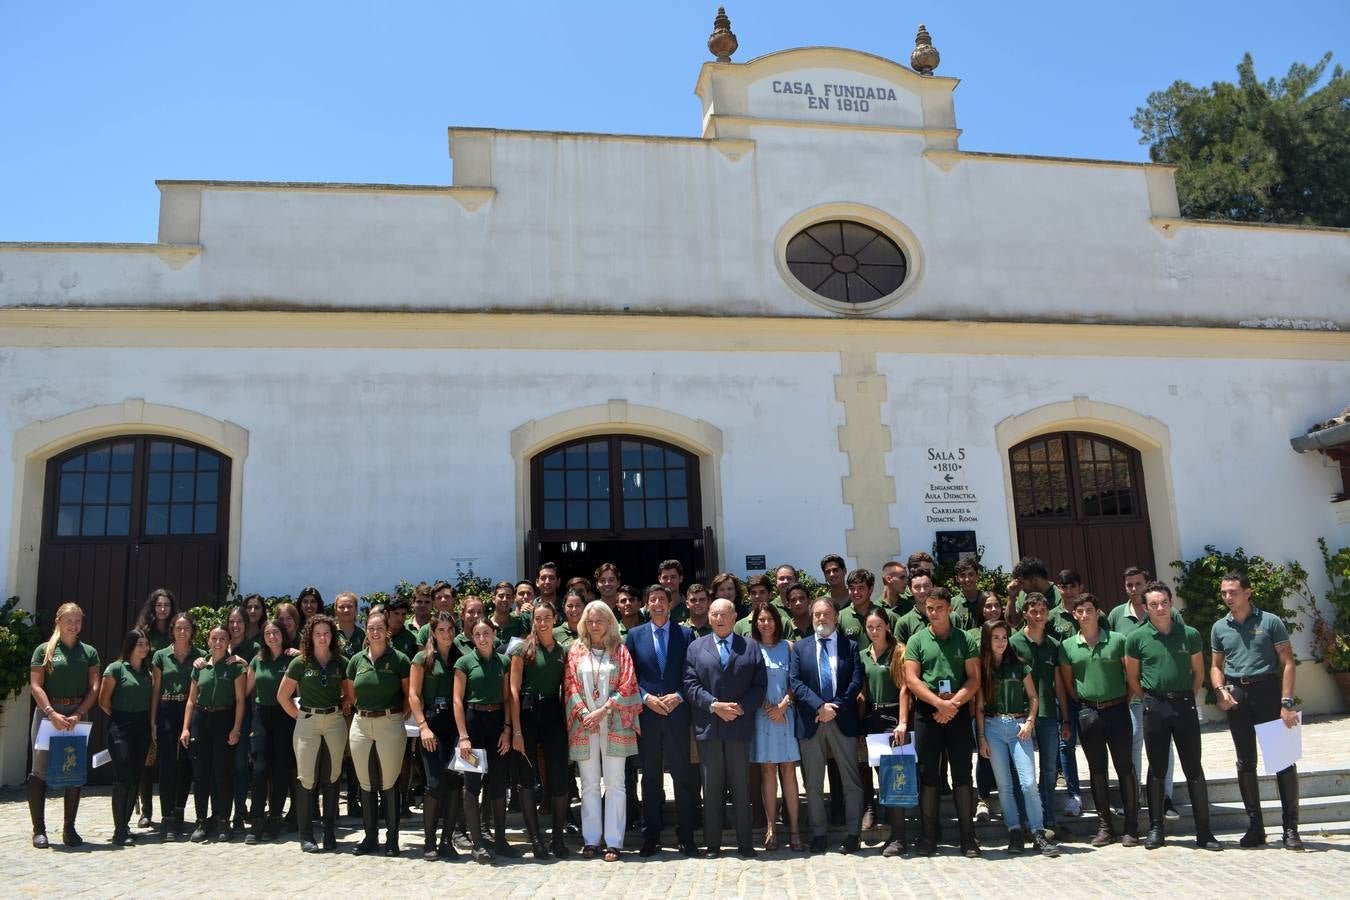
[(541, 732), (379, 676), (1005, 721), (288, 614), (272, 735), (242, 649), (989, 610), (574, 603), (316, 692), (171, 668), (64, 680), (255, 615), (886, 705), (310, 604), (124, 696), (480, 717), (155, 620), (213, 719), (431, 685)]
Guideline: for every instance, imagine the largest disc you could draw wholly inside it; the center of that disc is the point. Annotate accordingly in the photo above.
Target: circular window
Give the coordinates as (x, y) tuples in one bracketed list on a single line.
[(846, 262)]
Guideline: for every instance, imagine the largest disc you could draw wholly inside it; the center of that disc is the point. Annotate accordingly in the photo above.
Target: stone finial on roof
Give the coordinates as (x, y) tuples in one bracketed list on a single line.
[(722, 41), (925, 57)]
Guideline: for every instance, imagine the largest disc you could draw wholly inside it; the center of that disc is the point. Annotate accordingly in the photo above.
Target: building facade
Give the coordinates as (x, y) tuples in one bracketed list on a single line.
[(820, 326)]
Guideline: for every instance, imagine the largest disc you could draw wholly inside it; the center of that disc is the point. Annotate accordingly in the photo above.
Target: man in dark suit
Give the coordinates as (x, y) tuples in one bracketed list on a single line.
[(826, 678), (724, 682), (658, 650)]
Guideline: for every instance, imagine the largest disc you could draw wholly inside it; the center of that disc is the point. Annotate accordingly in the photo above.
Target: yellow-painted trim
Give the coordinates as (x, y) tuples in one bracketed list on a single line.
[(746, 121), (701, 438), (324, 187), (866, 440), (51, 327), (1168, 225), (38, 442), (843, 57), (1149, 436), (949, 158), (98, 247), (455, 130)]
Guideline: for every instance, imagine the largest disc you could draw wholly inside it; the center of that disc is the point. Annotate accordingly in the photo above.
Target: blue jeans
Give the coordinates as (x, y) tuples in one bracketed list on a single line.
[(1068, 758), (1007, 755), (1047, 748), (1137, 750)]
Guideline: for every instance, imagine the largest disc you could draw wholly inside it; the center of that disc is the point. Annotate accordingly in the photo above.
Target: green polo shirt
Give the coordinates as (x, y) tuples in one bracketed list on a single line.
[(543, 677), (267, 677), (793, 633), (438, 685), (350, 646), (484, 676), (69, 676), (941, 659), (405, 642), (1164, 659), (1248, 647), (1099, 669), (914, 621), (1043, 662), (1122, 619), (378, 682), (215, 683), (903, 604), (158, 639), (853, 624), (563, 634), (700, 631), (174, 676), (517, 626), (245, 649), (1010, 694), (1061, 624), (1053, 598), (879, 687), (134, 686), (320, 686)]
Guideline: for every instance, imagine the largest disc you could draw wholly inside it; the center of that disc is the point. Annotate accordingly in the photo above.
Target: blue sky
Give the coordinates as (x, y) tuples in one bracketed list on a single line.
[(101, 99)]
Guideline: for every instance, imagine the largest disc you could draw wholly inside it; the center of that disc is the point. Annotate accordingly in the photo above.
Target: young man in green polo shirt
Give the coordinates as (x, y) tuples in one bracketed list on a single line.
[(1040, 651), (1092, 667), (1029, 576), (1253, 673), (1163, 661), (833, 568), (1124, 619), (895, 594)]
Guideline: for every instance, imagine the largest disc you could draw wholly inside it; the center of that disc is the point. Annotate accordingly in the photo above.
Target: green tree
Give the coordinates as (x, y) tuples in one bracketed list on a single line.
[(1254, 151)]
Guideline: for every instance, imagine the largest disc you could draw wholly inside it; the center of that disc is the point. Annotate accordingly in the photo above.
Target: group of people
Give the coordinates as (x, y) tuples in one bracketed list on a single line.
[(727, 689)]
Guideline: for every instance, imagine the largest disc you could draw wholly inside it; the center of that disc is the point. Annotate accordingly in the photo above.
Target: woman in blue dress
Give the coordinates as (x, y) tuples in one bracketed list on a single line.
[(775, 745)]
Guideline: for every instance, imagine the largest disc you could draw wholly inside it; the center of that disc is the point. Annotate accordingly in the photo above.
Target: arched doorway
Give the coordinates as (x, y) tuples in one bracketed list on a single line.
[(1080, 504), (627, 499)]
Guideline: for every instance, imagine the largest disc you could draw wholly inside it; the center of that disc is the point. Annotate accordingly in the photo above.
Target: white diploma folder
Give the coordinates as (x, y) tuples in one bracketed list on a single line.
[(1281, 747), (479, 764), (46, 729)]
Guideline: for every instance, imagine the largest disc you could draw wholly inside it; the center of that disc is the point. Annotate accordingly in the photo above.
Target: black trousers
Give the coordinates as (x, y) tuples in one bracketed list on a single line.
[(663, 747), (544, 731), (1112, 732), (485, 730), (1171, 720), (212, 762), (932, 739), (128, 745), (723, 764), (1256, 702), (437, 778), (175, 763), (273, 758)]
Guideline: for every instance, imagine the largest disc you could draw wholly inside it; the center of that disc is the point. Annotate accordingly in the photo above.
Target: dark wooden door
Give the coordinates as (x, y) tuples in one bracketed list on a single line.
[(630, 500), (126, 515), (1079, 500)]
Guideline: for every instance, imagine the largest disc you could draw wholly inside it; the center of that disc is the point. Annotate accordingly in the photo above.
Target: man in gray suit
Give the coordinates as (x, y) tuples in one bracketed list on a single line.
[(724, 683)]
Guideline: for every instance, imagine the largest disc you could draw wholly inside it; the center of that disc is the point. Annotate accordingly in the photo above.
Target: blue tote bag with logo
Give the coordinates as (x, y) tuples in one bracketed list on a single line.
[(67, 759), (899, 777)]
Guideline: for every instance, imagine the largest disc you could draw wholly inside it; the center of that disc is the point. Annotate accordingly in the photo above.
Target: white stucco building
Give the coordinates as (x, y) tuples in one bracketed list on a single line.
[(348, 384)]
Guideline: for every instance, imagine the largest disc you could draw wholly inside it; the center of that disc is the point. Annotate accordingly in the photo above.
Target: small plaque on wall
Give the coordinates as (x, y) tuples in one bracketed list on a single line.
[(755, 563)]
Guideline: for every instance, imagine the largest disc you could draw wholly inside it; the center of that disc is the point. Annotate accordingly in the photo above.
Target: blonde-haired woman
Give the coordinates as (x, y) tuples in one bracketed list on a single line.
[(600, 696), (64, 679)]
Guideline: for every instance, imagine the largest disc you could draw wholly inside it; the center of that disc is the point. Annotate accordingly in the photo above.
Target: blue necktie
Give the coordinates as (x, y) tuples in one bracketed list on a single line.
[(723, 651), (661, 649), (826, 677)]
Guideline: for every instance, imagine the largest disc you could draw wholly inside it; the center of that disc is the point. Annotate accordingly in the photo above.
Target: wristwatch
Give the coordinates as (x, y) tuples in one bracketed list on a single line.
[(1287, 702)]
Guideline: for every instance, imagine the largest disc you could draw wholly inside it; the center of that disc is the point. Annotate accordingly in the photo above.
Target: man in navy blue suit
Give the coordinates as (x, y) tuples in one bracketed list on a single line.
[(658, 650), (724, 682), (826, 678)]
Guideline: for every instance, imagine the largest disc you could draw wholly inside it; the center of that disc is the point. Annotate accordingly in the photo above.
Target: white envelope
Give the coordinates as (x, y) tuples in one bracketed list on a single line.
[(46, 729), (101, 758), (479, 765), (410, 727)]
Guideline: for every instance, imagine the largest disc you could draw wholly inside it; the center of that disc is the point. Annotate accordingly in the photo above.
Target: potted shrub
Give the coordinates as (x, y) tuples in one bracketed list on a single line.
[(1331, 636)]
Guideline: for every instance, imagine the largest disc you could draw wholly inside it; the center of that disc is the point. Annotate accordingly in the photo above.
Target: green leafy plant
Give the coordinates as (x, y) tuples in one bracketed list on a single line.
[(19, 634), (1197, 583), (1331, 638), (994, 579), (207, 617), (470, 585)]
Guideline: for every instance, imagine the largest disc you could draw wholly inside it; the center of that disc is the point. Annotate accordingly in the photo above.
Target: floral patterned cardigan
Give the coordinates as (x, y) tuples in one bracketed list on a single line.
[(623, 717)]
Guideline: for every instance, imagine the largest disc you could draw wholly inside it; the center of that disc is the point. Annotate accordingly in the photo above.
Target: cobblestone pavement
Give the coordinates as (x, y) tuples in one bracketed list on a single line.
[(234, 870)]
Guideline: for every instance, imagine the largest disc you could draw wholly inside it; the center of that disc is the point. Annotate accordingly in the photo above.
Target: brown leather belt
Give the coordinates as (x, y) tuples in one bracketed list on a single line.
[(176, 698), (65, 701), (378, 713), (1106, 704), (1254, 679), (485, 707)]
